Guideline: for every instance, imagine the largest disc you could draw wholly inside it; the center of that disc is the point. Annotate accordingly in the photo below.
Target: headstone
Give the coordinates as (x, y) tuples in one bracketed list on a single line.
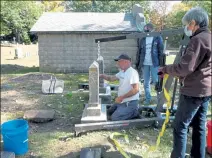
[(90, 153), (137, 9), (94, 84), (100, 61), (139, 17), (14, 40), (94, 111), (140, 21), (106, 95), (102, 90), (39, 115), (6, 154), (105, 98), (27, 54), (18, 53)]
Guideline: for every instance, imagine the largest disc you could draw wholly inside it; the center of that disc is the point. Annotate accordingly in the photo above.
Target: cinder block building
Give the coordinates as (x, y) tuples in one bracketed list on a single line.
[(66, 41)]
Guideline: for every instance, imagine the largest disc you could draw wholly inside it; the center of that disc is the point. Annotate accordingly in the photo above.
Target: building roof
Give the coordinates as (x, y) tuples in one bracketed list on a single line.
[(84, 22)]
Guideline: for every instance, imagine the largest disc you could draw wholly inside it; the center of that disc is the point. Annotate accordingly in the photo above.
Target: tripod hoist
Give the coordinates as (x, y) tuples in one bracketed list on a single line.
[(154, 115)]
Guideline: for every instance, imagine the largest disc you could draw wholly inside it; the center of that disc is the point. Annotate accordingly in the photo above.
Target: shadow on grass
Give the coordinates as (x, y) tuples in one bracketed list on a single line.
[(104, 153), (17, 69)]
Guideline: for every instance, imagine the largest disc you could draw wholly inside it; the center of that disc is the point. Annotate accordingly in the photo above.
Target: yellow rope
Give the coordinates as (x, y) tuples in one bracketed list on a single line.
[(168, 99), (151, 148), (117, 144)]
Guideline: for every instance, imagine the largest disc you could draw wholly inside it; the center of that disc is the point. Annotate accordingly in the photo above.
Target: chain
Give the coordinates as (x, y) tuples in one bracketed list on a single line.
[(98, 48)]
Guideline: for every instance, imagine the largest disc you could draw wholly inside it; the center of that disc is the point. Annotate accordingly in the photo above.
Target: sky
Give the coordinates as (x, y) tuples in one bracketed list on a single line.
[(171, 3)]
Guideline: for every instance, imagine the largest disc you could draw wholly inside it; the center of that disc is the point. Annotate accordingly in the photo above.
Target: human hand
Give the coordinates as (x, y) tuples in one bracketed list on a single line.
[(101, 75), (119, 99), (161, 72)]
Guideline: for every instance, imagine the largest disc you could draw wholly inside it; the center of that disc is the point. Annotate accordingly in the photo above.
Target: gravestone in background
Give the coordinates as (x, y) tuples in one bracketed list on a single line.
[(138, 15)]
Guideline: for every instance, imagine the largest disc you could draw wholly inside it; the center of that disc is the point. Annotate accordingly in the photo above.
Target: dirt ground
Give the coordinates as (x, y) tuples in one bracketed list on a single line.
[(22, 91)]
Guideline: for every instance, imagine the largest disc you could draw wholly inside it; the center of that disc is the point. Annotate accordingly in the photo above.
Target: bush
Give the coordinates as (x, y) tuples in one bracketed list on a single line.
[(25, 38)]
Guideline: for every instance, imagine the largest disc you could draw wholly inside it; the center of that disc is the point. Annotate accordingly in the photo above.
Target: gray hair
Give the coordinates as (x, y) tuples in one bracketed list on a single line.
[(197, 14)]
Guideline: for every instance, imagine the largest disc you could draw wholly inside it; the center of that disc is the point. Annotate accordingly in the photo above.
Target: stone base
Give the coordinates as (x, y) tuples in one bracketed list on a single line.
[(105, 99), (39, 115), (102, 89), (92, 112), (91, 118), (93, 105)]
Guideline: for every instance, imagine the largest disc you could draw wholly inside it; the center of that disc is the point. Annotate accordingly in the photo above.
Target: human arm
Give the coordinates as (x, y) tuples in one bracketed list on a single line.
[(189, 61), (108, 77), (133, 91)]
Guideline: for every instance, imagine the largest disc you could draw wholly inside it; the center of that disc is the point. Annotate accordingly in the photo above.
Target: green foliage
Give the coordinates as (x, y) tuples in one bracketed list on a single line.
[(17, 17), (174, 18), (204, 4), (106, 6), (53, 6)]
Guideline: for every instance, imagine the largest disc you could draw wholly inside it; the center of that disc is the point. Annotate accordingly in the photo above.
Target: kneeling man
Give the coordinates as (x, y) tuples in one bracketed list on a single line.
[(126, 104)]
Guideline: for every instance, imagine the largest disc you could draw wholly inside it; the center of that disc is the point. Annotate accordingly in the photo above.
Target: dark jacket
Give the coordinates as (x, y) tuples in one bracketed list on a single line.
[(195, 66), (156, 51)]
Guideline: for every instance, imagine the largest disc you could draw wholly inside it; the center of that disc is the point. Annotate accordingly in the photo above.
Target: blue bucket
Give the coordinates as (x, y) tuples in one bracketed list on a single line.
[(15, 136)]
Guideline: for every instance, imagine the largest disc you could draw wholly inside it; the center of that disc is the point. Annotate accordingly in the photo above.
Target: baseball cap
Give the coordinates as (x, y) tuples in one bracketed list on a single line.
[(122, 56)]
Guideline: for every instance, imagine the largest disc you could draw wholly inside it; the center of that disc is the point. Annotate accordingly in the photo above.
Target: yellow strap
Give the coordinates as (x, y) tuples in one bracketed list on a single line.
[(117, 144), (151, 148), (168, 99)]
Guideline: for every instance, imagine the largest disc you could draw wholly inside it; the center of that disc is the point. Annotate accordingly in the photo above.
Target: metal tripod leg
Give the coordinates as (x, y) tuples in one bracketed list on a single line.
[(169, 81), (174, 94)]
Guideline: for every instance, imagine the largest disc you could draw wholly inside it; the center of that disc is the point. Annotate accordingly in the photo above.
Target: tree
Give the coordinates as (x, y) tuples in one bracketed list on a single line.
[(105, 6), (204, 4), (158, 14), (17, 17), (53, 6), (174, 18)]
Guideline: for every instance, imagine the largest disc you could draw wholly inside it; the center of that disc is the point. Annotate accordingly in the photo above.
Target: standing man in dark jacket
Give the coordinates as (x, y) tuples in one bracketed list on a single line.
[(147, 59), (195, 73)]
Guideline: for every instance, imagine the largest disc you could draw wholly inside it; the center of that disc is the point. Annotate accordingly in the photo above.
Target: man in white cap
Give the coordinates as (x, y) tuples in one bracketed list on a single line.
[(126, 104)]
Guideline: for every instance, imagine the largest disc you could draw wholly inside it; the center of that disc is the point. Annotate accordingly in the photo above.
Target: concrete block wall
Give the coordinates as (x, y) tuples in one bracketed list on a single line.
[(75, 52)]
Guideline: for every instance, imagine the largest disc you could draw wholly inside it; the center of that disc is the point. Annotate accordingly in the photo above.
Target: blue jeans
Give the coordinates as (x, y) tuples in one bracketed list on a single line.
[(149, 70), (123, 111), (191, 111)]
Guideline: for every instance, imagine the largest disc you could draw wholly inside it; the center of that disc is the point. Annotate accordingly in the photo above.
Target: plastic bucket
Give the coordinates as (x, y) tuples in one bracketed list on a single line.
[(209, 137), (15, 136)]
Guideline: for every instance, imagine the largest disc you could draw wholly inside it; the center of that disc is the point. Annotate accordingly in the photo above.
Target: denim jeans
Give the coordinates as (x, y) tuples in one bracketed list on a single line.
[(191, 111), (123, 111), (149, 70)]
